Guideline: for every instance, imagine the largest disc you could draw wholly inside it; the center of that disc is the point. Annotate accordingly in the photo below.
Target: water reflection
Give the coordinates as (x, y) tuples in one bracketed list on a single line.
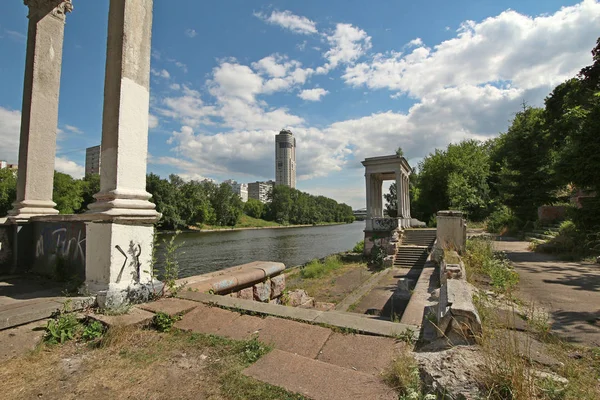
[(211, 251)]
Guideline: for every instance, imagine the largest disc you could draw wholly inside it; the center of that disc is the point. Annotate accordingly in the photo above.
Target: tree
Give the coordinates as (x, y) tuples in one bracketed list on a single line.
[(8, 190), (89, 187), (400, 152), (67, 193), (254, 208), (391, 199)]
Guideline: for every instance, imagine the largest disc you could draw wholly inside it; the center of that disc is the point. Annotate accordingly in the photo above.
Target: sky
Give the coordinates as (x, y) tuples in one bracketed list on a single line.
[(351, 79)]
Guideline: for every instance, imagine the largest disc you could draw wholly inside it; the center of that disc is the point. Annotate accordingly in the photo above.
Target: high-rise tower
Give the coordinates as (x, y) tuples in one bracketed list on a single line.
[(285, 158)]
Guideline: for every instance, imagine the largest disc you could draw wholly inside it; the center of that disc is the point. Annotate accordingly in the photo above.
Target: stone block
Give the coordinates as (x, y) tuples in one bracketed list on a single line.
[(277, 285), (388, 261), (262, 291), (299, 297), (246, 294)]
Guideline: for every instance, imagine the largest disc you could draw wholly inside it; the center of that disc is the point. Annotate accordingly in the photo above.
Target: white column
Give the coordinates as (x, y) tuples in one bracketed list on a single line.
[(119, 240), (39, 116), (407, 202), (369, 194), (125, 118), (400, 194), (379, 197)]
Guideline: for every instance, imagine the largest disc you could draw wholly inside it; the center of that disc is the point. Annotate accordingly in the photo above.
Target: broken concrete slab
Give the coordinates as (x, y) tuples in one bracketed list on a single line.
[(170, 306), (204, 319), (294, 337), (366, 325), (244, 328), (18, 341), (135, 317), (317, 380), (369, 354)]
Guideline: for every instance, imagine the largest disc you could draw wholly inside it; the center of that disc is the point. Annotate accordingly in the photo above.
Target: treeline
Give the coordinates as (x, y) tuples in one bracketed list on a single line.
[(547, 155), (192, 203)]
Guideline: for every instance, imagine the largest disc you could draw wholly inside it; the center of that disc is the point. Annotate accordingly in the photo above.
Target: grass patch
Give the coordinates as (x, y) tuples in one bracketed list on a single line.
[(317, 269), (403, 376), (133, 363), (483, 264), (245, 222)]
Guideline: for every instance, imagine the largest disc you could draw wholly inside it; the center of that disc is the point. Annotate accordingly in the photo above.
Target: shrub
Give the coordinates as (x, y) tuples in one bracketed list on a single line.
[(378, 255), (317, 269), (163, 322), (359, 247), (481, 259), (403, 375), (502, 219)]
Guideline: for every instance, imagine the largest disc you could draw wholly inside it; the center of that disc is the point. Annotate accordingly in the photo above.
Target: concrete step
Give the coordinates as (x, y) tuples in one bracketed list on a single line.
[(316, 379), (539, 236), (545, 231)]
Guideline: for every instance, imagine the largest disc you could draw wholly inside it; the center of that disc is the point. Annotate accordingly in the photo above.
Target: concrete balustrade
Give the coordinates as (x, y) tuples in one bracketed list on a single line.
[(262, 281)]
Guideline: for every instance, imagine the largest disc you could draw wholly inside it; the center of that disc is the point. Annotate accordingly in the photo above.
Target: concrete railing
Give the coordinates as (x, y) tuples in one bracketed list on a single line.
[(457, 317), (260, 281)]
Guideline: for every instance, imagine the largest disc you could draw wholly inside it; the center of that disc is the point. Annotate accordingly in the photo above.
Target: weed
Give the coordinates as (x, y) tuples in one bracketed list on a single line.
[(359, 247), (92, 331), (253, 349), (163, 322), (407, 336), (481, 260), (63, 327), (378, 255), (403, 375)]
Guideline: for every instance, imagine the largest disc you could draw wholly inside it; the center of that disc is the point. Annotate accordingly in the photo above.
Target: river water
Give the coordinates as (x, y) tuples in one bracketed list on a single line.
[(203, 252)]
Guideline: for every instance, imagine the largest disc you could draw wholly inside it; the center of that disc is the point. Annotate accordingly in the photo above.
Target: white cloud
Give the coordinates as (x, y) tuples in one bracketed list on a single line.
[(467, 87), (287, 20), (348, 43), (418, 42), (527, 52), (312, 94), (191, 33), (73, 129), (175, 86), (10, 126), (163, 73), (66, 166), (152, 121), (16, 36)]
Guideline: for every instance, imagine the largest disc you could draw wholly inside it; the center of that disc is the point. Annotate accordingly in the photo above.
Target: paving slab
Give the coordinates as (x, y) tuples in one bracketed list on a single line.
[(370, 354), (366, 325), (294, 337), (27, 311), (362, 290), (301, 314), (317, 380), (205, 319), (135, 317), (170, 306), (243, 328)]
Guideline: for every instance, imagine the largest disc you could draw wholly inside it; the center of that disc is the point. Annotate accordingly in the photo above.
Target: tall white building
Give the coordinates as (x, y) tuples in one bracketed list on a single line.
[(241, 189), (92, 160), (285, 158)]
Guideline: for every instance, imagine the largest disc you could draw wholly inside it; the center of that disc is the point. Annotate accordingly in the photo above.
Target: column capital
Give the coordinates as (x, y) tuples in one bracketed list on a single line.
[(41, 8)]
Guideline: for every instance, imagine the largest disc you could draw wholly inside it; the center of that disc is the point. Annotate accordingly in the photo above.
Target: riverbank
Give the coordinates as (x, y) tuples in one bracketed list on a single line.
[(248, 223)]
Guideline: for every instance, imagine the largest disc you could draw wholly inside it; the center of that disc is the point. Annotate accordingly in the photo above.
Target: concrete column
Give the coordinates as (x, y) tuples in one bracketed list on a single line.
[(119, 238), (379, 197), (369, 193), (125, 118), (400, 194), (406, 197), (39, 116), (451, 231)]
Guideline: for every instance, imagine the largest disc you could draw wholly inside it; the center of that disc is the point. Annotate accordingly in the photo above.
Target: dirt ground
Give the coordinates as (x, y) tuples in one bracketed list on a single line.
[(331, 288), (135, 364)]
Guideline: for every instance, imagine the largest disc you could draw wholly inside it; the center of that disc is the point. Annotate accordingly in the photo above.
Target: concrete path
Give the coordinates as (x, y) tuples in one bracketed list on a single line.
[(568, 291)]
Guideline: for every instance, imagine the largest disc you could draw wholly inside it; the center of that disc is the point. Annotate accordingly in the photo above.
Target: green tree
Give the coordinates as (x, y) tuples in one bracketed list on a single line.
[(254, 208), (67, 194), (89, 187), (400, 152), (8, 190), (391, 201)]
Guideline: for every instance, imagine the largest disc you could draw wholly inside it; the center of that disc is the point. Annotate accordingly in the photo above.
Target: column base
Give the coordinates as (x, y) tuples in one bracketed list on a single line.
[(120, 204), (23, 210), (118, 262)]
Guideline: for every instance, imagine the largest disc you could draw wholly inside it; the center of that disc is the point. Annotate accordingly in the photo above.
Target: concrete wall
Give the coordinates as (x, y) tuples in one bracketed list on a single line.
[(6, 248), (59, 249)]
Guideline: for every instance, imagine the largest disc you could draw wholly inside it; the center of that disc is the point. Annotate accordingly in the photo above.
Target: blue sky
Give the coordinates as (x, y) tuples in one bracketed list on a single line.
[(351, 79)]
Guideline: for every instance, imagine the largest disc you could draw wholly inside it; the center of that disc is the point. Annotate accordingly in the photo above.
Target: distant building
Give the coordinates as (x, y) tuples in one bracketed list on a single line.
[(241, 189), (360, 214), (4, 164), (92, 160), (260, 190), (285, 158)]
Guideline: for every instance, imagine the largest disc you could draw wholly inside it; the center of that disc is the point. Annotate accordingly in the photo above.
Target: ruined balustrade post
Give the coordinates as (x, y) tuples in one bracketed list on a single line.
[(39, 114), (120, 234)]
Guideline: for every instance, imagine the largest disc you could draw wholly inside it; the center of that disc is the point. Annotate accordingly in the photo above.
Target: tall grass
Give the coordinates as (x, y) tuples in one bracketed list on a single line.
[(317, 269), (482, 260)]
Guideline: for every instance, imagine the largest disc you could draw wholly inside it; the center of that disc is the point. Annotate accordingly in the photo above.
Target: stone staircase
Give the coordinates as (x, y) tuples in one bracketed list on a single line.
[(414, 248), (543, 233)]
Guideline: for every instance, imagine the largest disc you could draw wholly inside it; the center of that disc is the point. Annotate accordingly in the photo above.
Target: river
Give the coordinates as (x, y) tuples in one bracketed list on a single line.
[(202, 252)]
